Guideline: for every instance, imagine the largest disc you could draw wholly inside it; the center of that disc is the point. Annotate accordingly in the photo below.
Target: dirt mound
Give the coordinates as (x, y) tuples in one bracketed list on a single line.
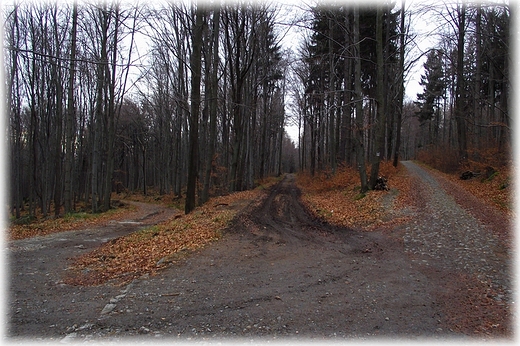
[(277, 272)]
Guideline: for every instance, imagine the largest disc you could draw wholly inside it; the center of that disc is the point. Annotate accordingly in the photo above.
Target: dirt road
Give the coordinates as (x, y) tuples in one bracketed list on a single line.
[(277, 273), (40, 305)]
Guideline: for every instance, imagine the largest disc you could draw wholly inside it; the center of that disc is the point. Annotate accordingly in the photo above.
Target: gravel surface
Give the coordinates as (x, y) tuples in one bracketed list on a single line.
[(280, 273), (443, 230)]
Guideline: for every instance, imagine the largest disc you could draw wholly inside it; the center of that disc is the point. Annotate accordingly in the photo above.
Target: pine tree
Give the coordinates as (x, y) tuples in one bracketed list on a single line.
[(434, 85)]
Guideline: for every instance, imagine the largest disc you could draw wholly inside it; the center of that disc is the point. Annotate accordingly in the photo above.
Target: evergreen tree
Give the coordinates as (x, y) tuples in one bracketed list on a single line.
[(434, 85)]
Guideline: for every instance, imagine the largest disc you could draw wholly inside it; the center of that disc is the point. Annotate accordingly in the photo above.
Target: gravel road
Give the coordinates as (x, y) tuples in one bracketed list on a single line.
[(445, 231), (40, 304), (278, 273)]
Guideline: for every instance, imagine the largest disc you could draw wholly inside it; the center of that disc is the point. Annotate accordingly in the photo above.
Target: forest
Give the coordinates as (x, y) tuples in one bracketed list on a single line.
[(192, 99)]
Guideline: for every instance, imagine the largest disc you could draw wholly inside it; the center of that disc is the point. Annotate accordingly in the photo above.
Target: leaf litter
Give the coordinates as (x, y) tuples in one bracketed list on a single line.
[(334, 198), (149, 250)]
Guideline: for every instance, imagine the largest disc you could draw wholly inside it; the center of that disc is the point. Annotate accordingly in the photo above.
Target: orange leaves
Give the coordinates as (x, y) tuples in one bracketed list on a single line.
[(336, 198), (45, 226), (326, 181), (342, 208), (148, 250), (496, 191)]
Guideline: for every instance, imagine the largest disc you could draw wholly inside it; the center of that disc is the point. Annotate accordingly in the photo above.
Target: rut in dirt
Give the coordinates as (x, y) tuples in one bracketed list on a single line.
[(277, 272), (281, 272), (282, 219), (39, 302)]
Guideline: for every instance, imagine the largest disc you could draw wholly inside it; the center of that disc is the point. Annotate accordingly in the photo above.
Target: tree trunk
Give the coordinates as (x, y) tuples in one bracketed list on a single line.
[(459, 87), (58, 119), (281, 131), (360, 155), (477, 109), (195, 64), (111, 114), (70, 119), (401, 87), (13, 106), (100, 110), (331, 99), (381, 115), (346, 122), (213, 105)]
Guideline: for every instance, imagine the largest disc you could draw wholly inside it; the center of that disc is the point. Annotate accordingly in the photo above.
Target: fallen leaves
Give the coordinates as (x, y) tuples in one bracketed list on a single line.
[(151, 249), (496, 191), (44, 226), (489, 200), (336, 198), (471, 306)]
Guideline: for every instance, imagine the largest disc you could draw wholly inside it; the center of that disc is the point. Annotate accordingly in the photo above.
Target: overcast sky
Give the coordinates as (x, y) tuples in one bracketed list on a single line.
[(422, 26)]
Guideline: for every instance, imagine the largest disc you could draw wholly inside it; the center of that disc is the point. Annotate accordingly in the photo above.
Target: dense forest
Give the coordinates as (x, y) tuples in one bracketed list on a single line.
[(350, 94), (192, 99)]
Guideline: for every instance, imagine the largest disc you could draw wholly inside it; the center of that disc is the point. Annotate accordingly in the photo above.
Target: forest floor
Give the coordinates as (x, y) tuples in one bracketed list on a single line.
[(433, 263)]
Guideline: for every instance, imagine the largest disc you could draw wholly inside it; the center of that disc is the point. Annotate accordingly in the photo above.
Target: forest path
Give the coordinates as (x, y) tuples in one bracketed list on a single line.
[(280, 273), (38, 300), (452, 233)]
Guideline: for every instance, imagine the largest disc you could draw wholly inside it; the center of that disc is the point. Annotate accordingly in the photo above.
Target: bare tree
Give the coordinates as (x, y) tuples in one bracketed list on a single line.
[(360, 155), (380, 99), (71, 115), (213, 103), (14, 109), (402, 34), (75, 134), (460, 84), (195, 67)]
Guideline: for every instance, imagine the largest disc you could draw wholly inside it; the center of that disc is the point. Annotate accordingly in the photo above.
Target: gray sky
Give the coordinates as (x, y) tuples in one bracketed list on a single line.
[(422, 25)]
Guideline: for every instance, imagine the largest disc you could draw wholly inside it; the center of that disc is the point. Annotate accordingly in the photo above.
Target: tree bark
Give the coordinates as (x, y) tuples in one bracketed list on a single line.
[(331, 100), (360, 155), (58, 121), (70, 118), (13, 106), (111, 114), (381, 114), (100, 110), (459, 87), (195, 64), (401, 87), (213, 105)]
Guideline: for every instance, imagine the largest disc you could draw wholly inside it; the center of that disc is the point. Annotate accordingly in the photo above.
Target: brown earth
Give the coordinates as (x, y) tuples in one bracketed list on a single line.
[(277, 273)]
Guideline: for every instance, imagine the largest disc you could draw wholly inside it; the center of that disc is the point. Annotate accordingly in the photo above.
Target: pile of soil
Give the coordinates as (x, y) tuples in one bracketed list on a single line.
[(277, 273)]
